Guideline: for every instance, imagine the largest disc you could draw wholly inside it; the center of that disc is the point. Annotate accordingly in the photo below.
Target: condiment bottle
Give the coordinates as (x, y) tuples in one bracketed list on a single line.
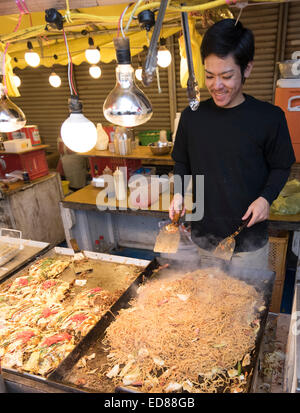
[(120, 186), (102, 138), (110, 183), (97, 245), (163, 136)]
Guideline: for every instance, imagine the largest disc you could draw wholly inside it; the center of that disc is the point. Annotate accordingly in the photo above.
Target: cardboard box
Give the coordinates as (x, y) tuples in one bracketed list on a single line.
[(27, 132), (17, 145)]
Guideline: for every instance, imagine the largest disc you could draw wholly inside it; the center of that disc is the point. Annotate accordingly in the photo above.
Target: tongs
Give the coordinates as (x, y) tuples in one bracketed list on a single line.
[(225, 248), (150, 65), (193, 91)]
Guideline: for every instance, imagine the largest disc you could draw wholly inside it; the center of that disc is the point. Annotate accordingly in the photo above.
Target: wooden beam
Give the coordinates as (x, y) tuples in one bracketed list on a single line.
[(10, 7)]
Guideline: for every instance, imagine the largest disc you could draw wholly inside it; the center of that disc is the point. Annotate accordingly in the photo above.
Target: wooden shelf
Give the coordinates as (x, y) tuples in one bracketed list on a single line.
[(34, 148), (141, 152)]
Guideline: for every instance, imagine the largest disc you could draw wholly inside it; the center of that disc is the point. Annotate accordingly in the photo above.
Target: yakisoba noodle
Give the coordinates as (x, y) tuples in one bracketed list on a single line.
[(201, 325)]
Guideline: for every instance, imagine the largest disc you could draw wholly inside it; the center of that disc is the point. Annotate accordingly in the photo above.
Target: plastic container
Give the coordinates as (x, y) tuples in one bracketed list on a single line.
[(290, 69), (288, 99), (150, 136), (103, 247), (120, 185), (122, 141), (102, 138), (17, 145)]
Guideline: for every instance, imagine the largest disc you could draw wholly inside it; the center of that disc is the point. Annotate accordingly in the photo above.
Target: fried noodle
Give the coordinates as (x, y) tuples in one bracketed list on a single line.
[(185, 333)]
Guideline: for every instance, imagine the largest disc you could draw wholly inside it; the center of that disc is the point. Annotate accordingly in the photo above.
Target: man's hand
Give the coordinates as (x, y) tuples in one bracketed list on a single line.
[(260, 209), (176, 205)]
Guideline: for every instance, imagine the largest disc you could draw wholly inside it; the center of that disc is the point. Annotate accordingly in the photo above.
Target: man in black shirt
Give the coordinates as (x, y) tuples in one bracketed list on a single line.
[(239, 144)]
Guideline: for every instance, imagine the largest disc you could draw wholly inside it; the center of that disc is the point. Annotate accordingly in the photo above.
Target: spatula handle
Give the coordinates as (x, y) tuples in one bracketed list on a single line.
[(242, 226), (176, 217)]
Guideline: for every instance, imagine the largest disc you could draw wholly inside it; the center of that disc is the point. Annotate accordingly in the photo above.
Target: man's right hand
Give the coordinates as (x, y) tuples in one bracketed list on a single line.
[(176, 205)]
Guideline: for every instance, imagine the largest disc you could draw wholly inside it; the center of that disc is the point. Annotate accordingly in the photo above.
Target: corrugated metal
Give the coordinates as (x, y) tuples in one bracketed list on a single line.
[(43, 104), (293, 29), (263, 20), (93, 93)]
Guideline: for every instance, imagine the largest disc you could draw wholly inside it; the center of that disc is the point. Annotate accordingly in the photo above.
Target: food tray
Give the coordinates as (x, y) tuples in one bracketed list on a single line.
[(112, 272), (9, 246), (21, 251), (74, 376)]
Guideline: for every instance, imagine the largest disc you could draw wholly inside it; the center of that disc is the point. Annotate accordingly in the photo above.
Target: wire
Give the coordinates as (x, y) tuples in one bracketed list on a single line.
[(70, 66), (132, 14), (121, 20)]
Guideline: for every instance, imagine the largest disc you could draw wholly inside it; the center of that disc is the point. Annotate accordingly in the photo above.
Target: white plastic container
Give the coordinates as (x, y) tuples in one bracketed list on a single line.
[(120, 185), (17, 145), (102, 138)]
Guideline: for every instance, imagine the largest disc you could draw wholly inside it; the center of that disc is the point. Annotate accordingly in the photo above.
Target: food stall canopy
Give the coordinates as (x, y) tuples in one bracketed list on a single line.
[(102, 23)]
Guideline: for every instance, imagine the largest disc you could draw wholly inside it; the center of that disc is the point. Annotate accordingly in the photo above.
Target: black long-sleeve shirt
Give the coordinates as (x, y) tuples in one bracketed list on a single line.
[(243, 152)]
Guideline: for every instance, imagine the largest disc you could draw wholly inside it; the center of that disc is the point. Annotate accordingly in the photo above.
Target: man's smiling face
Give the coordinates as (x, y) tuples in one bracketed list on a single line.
[(223, 80)]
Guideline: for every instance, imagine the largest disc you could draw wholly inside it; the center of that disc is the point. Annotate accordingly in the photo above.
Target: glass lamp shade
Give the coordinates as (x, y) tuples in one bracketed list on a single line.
[(92, 55), (32, 58), (17, 80), (138, 73), (54, 80), (164, 57), (95, 71), (126, 105), (11, 117), (78, 133)]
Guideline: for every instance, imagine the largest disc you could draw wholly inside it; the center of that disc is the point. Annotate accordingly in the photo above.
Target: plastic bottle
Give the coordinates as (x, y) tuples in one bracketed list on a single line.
[(102, 243), (110, 187), (163, 136), (97, 245), (120, 186), (102, 138)]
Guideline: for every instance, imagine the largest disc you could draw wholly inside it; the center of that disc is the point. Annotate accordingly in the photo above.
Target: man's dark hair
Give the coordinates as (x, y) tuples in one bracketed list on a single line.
[(225, 38)]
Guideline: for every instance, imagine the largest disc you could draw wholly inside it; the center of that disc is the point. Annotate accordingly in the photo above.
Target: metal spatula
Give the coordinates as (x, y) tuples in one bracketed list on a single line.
[(226, 247), (168, 237)]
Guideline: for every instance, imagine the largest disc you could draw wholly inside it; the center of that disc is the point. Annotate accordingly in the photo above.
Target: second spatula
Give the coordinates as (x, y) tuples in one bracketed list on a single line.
[(225, 248)]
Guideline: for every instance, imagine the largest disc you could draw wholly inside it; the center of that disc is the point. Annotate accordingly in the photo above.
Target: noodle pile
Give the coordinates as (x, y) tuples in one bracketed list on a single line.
[(186, 333)]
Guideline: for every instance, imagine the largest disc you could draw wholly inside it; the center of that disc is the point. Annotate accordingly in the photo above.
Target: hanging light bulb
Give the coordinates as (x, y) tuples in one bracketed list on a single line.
[(95, 71), (138, 73), (11, 117), (92, 54), (16, 80), (31, 57), (54, 80), (126, 105), (164, 56), (139, 70), (77, 132)]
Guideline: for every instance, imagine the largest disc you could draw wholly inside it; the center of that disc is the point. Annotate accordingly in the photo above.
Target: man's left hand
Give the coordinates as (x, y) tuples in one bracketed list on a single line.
[(260, 209)]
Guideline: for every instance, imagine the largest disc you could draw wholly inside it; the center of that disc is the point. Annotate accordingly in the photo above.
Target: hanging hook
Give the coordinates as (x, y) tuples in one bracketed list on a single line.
[(241, 6)]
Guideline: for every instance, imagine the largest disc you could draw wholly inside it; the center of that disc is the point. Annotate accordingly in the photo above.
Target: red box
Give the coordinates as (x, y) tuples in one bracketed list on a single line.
[(35, 163), (98, 164), (32, 133), (28, 132)]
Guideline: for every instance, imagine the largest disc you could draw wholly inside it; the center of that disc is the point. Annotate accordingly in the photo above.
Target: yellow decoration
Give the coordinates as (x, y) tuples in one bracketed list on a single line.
[(196, 40), (12, 90)]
